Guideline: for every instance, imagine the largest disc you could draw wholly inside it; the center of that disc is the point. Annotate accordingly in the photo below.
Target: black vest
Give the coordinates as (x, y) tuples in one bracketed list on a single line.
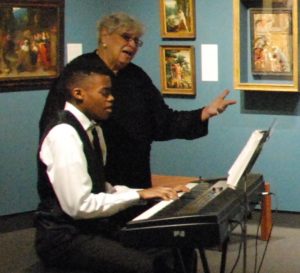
[(49, 211)]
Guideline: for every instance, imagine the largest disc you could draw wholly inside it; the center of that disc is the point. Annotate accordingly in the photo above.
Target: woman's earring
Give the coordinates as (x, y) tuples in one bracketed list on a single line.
[(104, 45)]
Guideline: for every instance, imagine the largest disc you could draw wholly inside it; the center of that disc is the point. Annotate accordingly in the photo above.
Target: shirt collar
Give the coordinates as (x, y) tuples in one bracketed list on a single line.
[(85, 122)]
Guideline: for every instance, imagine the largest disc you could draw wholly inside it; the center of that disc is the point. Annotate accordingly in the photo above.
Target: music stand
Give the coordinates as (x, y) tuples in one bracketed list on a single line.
[(248, 156)]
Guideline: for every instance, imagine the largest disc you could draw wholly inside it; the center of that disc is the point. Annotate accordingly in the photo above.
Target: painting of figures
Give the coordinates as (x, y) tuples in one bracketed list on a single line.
[(30, 42), (177, 70), (271, 35), (177, 19)]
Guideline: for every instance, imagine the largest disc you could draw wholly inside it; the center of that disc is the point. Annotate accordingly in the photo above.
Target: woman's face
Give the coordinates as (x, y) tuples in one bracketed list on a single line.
[(119, 48)]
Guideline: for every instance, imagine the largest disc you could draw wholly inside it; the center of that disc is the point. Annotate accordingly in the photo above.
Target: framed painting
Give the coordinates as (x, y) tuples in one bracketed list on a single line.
[(178, 70), (272, 47), (265, 45), (31, 44), (177, 19)]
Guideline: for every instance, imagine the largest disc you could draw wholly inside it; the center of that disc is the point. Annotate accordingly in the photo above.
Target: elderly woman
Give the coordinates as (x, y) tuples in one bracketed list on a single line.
[(140, 114)]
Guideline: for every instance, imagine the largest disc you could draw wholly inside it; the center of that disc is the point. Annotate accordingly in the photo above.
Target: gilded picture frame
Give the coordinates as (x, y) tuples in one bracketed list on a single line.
[(32, 44), (177, 19), (177, 70)]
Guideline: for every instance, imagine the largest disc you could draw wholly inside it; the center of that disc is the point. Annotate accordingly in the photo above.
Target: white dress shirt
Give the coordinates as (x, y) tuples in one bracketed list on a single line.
[(62, 152)]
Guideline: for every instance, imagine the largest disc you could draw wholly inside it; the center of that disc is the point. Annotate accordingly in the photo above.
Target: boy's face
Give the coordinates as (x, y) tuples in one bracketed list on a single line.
[(97, 99)]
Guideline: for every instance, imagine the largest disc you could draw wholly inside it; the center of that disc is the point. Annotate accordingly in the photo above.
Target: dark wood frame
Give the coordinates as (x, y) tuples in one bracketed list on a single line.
[(33, 44)]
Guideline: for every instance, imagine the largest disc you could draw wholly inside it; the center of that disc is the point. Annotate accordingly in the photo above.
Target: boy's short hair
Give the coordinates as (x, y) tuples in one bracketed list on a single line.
[(75, 72)]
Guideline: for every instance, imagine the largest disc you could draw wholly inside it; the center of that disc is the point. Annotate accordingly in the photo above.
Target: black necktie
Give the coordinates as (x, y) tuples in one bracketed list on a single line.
[(96, 145), (98, 172)]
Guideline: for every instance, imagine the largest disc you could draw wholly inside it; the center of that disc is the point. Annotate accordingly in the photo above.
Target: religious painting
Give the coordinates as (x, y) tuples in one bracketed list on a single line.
[(177, 19), (31, 43), (271, 36), (178, 70)]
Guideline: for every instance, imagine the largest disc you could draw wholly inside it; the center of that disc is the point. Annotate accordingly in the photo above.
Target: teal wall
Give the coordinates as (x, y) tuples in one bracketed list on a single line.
[(20, 112), (209, 156)]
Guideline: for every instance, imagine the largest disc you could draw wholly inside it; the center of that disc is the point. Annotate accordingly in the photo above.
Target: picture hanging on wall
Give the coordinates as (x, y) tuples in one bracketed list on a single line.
[(32, 44), (272, 44), (177, 19), (178, 70)]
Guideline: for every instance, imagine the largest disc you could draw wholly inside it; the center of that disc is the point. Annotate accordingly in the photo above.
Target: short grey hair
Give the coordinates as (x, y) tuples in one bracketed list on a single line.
[(121, 20)]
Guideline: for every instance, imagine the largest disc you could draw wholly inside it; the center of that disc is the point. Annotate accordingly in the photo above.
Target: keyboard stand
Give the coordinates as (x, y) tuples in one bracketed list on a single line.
[(223, 258), (182, 265), (204, 260), (224, 255)]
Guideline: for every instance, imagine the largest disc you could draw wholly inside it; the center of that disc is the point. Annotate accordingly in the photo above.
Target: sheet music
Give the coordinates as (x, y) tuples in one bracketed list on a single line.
[(242, 161)]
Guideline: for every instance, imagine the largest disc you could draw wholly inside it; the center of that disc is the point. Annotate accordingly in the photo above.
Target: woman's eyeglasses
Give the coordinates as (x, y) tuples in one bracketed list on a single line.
[(127, 37)]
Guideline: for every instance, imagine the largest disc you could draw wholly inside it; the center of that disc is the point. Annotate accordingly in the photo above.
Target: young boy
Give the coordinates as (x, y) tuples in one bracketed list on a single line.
[(80, 213)]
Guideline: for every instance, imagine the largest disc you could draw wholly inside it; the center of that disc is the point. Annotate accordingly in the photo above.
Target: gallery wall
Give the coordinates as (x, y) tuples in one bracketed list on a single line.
[(210, 156), (20, 112)]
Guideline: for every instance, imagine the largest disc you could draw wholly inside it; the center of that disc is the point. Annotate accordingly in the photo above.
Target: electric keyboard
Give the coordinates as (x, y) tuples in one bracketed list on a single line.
[(204, 216)]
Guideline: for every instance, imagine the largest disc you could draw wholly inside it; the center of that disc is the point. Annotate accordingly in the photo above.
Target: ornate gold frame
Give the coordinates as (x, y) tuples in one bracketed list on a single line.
[(184, 15), (178, 70)]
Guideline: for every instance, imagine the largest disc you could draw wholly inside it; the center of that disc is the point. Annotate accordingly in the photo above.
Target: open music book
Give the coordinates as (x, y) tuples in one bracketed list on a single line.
[(247, 156)]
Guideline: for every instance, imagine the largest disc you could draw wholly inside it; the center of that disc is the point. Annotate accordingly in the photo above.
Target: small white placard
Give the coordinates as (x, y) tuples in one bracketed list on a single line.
[(73, 51), (209, 65)]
